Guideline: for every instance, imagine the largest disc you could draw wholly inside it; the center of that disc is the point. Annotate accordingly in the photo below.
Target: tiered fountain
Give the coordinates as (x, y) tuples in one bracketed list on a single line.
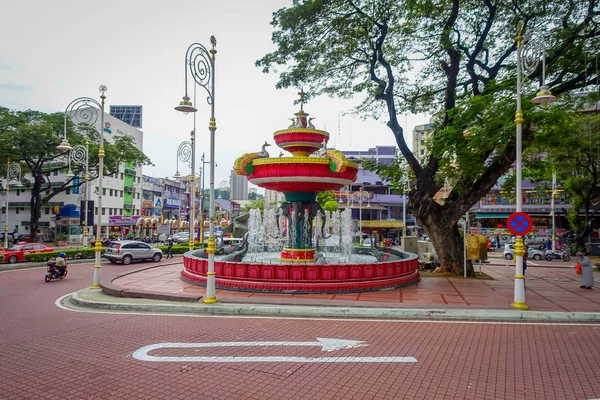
[(300, 248)]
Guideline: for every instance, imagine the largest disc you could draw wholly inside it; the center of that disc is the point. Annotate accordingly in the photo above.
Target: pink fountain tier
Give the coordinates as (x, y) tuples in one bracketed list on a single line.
[(301, 177)]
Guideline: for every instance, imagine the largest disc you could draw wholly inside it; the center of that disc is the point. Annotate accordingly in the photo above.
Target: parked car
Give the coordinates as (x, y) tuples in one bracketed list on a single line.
[(127, 251), (182, 237), (17, 252), (509, 253), (368, 242)]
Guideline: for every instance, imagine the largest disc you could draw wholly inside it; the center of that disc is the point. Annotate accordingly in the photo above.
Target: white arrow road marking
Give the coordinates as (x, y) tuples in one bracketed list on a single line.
[(326, 345)]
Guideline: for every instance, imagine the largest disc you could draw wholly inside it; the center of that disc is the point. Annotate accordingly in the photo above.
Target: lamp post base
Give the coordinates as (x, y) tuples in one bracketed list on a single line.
[(520, 306)]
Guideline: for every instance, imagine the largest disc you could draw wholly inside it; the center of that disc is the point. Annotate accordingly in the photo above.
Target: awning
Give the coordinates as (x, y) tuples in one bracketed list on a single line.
[(491, 215), (364, 206)]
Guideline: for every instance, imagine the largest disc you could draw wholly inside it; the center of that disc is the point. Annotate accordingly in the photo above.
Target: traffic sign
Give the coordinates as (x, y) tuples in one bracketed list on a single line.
[(519, 223)]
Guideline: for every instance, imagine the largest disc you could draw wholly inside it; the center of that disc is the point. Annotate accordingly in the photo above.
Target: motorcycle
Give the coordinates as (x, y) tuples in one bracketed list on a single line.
[(557, 255), (52, 271)]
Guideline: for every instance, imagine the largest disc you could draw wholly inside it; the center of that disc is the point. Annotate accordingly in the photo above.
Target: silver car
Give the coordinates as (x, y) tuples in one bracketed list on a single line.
[(127, 251), (509, 253)]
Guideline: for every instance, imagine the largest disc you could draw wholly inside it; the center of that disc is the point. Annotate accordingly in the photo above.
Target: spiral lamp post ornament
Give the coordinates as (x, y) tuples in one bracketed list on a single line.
[(87, 110), (186, 153), (13, 174), (79, 156), (530, 48), (201, 65)]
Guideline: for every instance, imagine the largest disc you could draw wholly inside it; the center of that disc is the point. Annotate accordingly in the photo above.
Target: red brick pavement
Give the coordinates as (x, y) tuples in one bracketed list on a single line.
[(51, 353), (548, 289)]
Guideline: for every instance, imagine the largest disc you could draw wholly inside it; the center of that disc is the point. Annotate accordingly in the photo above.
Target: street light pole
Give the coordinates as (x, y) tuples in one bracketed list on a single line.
[(186, 153), (86, 109), (13, 172), (525, 66), (553, 211), (79, 156), (201, 63)]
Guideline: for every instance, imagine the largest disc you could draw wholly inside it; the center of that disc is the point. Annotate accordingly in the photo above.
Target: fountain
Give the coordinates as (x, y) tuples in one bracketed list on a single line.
[(300, 248)]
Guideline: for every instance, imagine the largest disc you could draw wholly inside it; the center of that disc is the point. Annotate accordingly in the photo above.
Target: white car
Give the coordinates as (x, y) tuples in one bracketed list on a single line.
[(509, 253)]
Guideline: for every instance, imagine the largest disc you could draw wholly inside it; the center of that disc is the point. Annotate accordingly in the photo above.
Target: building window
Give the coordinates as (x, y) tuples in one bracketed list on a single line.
[(46, 211), (103, 194), (110, 211), (120, 211), (55, 172), (17, 210), (68, 191), (96, 210), (121, 176), (422, 152), (121, 193), (104, 211), (422, 143)]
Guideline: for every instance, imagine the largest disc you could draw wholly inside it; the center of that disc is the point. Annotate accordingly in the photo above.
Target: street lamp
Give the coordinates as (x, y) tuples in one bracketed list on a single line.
[(186, 153), (79, 155), (201, 63), (86, 110), (529, 52), (13, 173), (554, 196)]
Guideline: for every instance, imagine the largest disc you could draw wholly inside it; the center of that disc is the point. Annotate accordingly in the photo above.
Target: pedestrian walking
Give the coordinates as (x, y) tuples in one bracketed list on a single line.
[(498, 241), (587, 273), (169, 247), (525, 257), (549, 245)]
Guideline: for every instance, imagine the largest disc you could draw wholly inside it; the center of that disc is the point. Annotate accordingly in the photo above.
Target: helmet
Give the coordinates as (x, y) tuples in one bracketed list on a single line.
[(61, 254)]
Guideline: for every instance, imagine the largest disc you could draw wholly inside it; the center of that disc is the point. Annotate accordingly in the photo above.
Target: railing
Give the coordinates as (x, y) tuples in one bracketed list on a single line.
[(130, 171)]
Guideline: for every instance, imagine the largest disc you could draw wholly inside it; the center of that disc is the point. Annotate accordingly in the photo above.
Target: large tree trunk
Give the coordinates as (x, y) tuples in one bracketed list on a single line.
[(441, 224), (36, 206)]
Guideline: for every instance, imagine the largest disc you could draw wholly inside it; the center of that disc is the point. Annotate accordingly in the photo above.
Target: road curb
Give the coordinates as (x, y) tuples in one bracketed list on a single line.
[(222, 308)]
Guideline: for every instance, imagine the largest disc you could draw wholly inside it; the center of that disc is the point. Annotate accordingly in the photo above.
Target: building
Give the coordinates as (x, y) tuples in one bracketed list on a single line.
[(421, 136), (376, 207), (121, 194), (239, 186), (131, 115)]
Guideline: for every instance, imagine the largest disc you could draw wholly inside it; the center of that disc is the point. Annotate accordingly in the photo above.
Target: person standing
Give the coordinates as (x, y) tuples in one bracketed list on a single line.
[(169, 247), (587, 273), (525, 257)]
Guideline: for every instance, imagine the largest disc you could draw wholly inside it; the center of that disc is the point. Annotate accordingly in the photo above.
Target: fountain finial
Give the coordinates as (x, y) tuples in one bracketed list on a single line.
[(301, 94)]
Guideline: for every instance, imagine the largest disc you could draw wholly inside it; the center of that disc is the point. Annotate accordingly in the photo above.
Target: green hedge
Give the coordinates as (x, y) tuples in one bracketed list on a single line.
[(72, 254), (89, 252)]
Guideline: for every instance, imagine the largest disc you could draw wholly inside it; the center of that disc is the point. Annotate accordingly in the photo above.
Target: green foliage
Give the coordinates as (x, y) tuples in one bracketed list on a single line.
[(179, 248), (328, 201), (259, 203), (452, 60), (72, 254)]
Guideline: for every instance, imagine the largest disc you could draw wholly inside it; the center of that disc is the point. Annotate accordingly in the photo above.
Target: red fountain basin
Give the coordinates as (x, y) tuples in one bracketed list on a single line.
[(301, 174), (301, 142), (303, 277), (298, 255)]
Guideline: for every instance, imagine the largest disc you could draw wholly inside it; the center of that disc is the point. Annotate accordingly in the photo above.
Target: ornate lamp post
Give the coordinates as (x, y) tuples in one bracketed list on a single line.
[(86, 110), (79, 155), (201, 64), (529, 51), (360, 196), (13, 173), (186, 153)]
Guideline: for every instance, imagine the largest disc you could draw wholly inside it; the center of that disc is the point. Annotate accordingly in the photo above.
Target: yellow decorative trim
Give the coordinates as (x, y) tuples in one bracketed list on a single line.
[(5, 228), (519, 37), (303, 144), (289, 260), (211, 273), (519, 277), (299, 160), (382, 224), (95, 287), (301, 130), (519, 117), (519, 248), (520, 306), (211, 249), (101, 152), (98, 246), (209, 300), (212, 125)]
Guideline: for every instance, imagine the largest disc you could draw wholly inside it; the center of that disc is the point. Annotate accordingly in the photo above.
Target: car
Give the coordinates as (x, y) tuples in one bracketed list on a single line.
[(17, 252), (127, 251), (509, 253), (368, 242), (182, 237)]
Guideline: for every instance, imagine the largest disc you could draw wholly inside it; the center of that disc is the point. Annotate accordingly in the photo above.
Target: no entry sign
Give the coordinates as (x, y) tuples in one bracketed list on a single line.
[(519, 223)]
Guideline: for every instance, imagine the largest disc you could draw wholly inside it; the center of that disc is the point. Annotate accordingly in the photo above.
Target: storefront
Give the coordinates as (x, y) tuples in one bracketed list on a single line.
[(122, 225)]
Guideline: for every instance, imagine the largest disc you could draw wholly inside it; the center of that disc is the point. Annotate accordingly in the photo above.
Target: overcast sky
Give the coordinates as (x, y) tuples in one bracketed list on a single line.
[(52, 52)]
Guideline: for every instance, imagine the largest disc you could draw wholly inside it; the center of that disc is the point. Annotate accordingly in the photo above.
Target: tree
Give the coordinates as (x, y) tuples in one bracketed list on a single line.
[(31, 137), (453, 60), (572, 147), (260, 204), (328, 201)]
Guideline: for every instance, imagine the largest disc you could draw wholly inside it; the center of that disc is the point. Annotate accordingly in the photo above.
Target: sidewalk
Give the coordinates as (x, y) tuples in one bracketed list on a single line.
[(552, 294)]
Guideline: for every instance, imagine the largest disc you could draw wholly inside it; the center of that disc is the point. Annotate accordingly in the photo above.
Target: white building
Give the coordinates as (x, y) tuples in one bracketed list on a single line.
[(239, 186), (121, 194), (421, 136)]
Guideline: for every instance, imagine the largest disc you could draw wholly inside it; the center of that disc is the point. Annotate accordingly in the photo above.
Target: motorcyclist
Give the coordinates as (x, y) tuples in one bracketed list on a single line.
[(61, 263)]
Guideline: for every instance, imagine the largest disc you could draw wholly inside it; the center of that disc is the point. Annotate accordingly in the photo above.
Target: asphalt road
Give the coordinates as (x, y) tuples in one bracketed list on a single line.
[(52, 353)]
